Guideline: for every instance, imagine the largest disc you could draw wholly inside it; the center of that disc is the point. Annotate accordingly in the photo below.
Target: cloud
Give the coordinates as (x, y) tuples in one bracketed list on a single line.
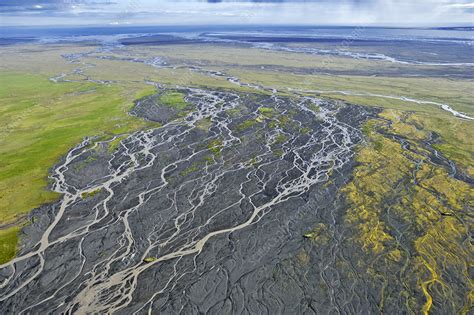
[(59, 6), (316, 12), (462, 5), (465, 7)]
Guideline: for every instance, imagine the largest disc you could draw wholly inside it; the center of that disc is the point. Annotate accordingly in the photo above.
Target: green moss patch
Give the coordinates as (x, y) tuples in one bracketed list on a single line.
[(174, 99)]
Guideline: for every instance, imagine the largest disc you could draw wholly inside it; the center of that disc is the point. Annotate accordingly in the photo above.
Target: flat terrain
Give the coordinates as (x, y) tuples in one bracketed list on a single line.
[(47, 121), (231, 179)]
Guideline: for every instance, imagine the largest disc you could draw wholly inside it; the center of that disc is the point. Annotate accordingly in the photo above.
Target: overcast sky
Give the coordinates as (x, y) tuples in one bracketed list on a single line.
[(163, 12)]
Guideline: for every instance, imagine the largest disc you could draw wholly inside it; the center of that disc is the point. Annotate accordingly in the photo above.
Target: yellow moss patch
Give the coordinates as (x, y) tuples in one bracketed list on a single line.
[(204, 124), (303, 258), (429, 206), (319, 234)]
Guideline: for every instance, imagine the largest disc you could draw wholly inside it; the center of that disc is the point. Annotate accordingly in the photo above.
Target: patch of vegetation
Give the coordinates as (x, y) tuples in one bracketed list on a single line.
[(198, 165), (90, 194), (246, 125), (209, 160), (253, 161), (114, 144), (315, 108), (390, 190), (233, 112), (285, 121), (8, 243), (215, 147), (267, 111), (319, 234), (149, 259), (91, 158), (272, 124), (305, 130), (204, 124), (378, 145), (303, 257), (191, 169), (457, 93), (40, 121), (260, 119), (174, 99), (454, 140), (281, 138), (279, 152), (368, 127), (405, 124)]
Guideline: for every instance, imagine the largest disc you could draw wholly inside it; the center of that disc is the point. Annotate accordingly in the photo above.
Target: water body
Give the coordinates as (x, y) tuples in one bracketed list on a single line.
[(436, 47)]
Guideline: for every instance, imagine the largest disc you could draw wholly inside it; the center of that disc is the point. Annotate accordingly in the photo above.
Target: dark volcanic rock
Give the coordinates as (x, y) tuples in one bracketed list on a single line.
[(192, 219)]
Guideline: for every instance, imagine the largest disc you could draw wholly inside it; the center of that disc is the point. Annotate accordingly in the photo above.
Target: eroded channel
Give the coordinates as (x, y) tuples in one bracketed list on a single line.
[(195, 216)]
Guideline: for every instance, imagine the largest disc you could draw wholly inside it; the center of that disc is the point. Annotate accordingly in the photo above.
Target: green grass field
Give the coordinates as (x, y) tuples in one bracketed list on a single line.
[(174, 100), (39, 122)]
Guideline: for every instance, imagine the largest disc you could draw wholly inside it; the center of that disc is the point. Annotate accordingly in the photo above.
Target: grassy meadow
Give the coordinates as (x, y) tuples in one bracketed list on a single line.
[(39, 122)]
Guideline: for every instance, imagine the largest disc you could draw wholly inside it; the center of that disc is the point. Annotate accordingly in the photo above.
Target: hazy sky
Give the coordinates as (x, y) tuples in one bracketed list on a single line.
[(163, 12)]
